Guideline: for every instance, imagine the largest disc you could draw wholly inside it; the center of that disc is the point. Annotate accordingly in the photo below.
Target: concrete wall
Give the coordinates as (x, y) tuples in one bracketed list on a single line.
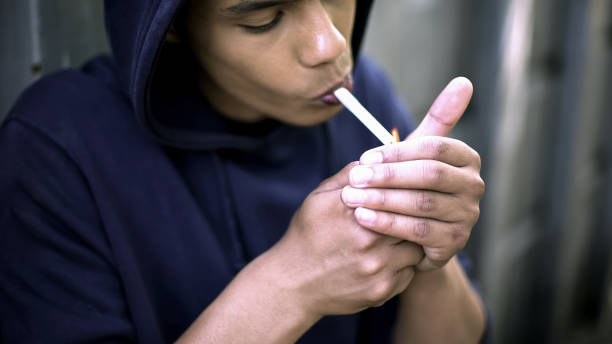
[(541, 121), (419, 41)]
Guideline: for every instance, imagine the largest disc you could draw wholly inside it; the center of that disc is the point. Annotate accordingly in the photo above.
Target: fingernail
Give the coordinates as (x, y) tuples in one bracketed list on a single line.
[(361, 175), (372, 157), (365, 215), (353, 196)]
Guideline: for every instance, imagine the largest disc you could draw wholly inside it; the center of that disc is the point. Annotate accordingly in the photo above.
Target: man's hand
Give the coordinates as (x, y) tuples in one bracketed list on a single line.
[(335, 266), (425, 189)]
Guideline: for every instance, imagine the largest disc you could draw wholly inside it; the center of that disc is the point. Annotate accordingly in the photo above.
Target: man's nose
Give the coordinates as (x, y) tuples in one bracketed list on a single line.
[(320, 41)]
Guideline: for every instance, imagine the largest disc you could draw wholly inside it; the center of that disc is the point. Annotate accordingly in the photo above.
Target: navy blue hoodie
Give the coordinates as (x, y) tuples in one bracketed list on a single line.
[(127, 203)]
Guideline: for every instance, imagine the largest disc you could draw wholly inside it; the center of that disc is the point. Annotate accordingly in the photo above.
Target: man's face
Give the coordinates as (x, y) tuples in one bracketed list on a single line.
[(272, 58)]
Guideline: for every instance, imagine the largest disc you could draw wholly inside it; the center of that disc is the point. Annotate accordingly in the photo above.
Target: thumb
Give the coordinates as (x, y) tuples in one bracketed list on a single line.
[(337, 181), (446, 109)]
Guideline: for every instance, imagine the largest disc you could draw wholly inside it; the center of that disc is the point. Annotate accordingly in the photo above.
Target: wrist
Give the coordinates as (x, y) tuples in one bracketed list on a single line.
[(446, 283), (279, 281), (256, 307), (442, 278), (442, 298)]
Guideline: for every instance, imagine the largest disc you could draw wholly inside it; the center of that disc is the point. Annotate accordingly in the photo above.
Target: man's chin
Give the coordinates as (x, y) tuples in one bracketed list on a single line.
[(320, 114)]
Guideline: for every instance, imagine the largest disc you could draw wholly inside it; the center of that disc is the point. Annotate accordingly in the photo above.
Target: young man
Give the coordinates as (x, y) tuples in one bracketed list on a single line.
[(198, 187)]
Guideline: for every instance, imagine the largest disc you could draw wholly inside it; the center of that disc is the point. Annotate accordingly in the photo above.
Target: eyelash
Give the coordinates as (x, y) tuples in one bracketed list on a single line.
[(265, 27)]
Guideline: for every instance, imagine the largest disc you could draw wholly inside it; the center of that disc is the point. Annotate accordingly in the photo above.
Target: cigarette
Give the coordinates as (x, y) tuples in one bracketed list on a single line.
[(351, 103)]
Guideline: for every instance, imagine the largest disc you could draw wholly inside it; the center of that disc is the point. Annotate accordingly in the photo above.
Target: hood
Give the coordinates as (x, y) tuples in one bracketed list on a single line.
[(137, 30)]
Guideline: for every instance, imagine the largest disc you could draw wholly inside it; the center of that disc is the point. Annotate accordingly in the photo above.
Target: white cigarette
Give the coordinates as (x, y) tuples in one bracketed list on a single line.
[(351, 103)]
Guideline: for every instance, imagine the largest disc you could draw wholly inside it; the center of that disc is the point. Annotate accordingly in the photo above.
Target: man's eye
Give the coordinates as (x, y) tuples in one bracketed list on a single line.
[(265, 27)]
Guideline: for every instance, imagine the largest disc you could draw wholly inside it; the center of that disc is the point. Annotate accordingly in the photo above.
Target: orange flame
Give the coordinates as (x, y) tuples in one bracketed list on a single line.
[(395, 133)]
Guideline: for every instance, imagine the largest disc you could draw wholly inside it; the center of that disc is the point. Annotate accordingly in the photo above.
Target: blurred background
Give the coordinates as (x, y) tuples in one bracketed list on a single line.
[(539, 119)]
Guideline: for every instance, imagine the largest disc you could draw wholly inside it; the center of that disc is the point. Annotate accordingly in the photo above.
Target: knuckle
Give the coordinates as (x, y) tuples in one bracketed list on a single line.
[(477, 159), (365, 240), (472, 155), (395, 152), (371, 266), (384, 223), (477, 186), (421, 229), (460, 234), (433, 173), (438, 256), (425, 202), (380, 198), (418, 254), (469, 212), (475, 213), (385, 200), (435, 148), (480, 186), (387, 223), (388, 172), (381, 291)]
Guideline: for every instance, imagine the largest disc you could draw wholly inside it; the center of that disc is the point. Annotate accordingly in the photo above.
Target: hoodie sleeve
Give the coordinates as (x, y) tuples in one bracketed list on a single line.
[(57, 281)]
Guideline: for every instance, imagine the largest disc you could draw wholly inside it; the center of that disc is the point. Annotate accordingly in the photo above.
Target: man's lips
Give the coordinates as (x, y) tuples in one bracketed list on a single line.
[(328, 96)]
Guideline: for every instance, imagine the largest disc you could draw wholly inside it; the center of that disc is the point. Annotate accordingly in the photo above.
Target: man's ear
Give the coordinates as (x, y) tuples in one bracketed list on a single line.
[(172, 36)]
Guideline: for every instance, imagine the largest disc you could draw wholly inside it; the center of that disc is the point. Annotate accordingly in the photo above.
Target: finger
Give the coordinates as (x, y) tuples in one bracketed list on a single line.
[(418, 174), (428, 264), (337, 181), (364, 239), (446, 110), (444, 149), (417, 203), (404, 277), (441, 238), (394, 284), (405, 254), (390, 255)]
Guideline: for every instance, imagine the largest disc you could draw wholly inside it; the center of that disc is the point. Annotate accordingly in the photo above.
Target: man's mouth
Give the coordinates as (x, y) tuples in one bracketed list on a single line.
[(328, 96)]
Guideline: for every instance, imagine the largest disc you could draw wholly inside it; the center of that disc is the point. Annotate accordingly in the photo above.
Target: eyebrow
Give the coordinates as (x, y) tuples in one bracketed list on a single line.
[(246, 6)]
